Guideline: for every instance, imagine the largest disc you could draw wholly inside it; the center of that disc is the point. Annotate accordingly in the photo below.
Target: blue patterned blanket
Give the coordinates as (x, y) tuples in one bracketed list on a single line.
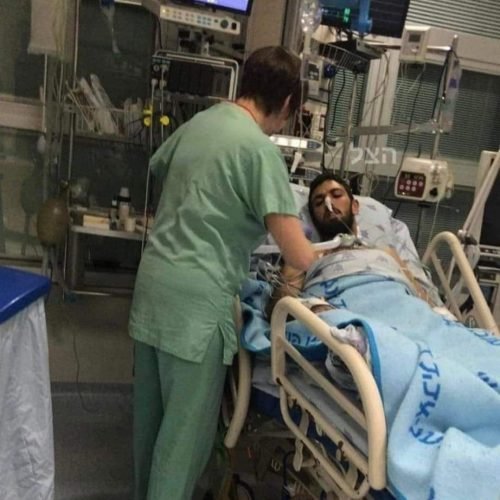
[(439, 381)]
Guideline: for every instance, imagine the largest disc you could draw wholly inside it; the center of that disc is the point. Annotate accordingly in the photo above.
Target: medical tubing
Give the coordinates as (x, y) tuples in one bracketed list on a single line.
[(420, 78), (162, 85), (331, 85), (285, 494), (324, 245), (154, 82)]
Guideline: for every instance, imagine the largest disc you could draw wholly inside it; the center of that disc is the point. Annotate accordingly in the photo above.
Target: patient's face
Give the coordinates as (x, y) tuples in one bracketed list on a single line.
[(340, 219)]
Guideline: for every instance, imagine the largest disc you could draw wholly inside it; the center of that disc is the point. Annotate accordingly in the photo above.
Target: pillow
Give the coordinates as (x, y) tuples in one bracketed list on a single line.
[(374, 219), (375, 222)]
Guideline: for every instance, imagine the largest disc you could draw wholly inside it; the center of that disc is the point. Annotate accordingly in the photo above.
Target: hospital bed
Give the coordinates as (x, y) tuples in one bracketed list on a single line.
[(339, 439)]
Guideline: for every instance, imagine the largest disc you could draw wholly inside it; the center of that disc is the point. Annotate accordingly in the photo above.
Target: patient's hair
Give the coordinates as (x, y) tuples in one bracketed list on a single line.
[(327, 176), (270, 75)]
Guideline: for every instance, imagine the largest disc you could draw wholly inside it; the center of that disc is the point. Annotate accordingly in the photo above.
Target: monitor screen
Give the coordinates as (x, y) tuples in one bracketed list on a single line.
[(387, 16), (236, 6)]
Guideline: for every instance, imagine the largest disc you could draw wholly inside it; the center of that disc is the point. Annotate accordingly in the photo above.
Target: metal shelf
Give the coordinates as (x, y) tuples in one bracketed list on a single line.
[(343, 58)]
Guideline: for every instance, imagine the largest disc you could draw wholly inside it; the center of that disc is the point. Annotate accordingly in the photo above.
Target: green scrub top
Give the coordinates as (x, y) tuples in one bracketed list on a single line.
[(221, 176)]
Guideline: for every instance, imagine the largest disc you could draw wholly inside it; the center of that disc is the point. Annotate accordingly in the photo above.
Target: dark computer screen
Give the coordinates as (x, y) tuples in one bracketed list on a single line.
[(236, 6), (387, 16)]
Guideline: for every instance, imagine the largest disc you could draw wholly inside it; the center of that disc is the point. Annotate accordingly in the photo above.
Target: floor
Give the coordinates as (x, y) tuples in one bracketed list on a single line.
[(93, 450), (93, 442), (91, 358)]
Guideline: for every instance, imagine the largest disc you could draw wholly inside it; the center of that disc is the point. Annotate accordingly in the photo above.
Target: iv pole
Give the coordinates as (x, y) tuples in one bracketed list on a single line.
[(438, 118)]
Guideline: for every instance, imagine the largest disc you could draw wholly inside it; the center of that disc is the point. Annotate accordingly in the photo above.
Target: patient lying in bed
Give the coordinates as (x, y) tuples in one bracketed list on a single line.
[(333, 208), (439, 381)]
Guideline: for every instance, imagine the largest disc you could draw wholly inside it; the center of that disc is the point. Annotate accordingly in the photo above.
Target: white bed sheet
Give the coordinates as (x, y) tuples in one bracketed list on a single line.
[(26, 433)]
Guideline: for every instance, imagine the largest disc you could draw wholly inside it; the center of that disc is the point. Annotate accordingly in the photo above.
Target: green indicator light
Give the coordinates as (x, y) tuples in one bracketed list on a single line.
[(347, 15)]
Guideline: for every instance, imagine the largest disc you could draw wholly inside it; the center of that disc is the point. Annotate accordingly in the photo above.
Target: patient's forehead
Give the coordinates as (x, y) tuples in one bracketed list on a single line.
[(327, 186)]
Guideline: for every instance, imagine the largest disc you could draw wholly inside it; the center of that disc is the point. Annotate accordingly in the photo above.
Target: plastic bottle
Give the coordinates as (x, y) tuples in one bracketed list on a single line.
[(113, 214), (451, 97), (123, 205), (310, 16)]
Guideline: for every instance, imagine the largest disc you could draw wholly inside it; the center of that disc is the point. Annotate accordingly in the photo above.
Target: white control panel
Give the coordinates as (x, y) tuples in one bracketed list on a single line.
[(292, 142), (422, 179), (200, 19), (414, 43)]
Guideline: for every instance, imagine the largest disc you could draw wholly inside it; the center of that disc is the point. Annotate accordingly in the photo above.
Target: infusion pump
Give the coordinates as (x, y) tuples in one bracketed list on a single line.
[(421, 179)]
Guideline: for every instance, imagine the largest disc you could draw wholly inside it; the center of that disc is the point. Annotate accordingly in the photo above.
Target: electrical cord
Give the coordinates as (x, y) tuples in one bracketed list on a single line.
[(159, 32), (436, 210), (421, 206), (325, 129), (284, 492), (77, 377), (380, 91), (398, 206), (332, 159), (439, 90)]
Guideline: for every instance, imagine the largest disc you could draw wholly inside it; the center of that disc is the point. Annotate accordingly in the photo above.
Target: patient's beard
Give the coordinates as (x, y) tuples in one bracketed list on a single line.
[(328, 230)]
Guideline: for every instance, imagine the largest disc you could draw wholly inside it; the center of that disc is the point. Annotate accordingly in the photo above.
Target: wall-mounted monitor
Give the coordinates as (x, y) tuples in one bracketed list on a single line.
[(243, 7), (376, 17), (388, 17)]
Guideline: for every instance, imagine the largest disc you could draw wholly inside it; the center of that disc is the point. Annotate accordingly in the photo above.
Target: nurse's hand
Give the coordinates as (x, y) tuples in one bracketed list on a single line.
[(288, 234)]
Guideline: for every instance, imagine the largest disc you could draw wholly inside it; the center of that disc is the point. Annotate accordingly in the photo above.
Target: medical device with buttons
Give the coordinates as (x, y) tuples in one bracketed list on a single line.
[(421, 179), (200, 19), (195, 75), (414, 44)]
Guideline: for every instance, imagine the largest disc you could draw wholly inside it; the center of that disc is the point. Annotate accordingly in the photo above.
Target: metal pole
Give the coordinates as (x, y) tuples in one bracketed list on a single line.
[(73, 83), (71, 137), (451, 63)]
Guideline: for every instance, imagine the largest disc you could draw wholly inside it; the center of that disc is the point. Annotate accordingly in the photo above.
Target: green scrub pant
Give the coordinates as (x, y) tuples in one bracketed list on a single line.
[(176, 408)]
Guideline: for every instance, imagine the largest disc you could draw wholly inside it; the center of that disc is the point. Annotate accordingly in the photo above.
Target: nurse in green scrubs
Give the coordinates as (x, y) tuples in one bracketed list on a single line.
[(224, 187)]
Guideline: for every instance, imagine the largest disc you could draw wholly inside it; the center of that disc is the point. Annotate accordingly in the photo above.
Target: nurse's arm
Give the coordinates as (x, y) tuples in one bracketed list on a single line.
[(287, 231)]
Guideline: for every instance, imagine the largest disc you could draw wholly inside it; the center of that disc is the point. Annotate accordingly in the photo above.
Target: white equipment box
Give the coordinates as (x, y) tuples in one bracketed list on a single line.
[(200, 19), (414, 43), (423, 179)]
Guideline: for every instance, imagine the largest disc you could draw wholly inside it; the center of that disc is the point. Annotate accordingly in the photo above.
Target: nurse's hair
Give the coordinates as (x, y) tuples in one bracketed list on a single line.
[(270, 75)]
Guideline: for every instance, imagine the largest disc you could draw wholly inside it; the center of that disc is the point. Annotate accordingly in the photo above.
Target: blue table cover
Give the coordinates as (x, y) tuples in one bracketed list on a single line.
[(18, 289)]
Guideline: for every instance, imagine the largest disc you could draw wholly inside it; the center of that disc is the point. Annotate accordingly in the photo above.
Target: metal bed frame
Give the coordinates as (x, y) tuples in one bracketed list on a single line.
[(369, 415)]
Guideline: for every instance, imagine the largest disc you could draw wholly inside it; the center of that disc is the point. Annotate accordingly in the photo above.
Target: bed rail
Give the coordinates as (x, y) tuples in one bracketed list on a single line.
[(483, 314), (240, 386), (372, 417)]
